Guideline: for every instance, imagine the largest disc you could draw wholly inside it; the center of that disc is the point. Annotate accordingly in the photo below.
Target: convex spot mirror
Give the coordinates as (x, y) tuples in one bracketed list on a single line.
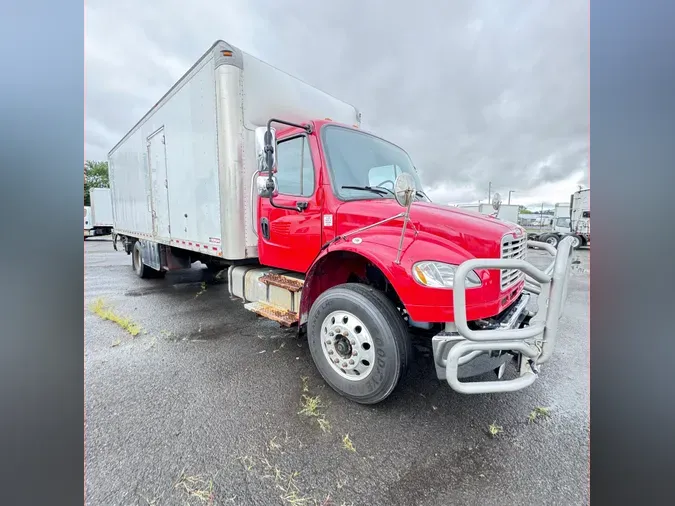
[(404, 189), (266, 161), (496, 201), (263, 186)]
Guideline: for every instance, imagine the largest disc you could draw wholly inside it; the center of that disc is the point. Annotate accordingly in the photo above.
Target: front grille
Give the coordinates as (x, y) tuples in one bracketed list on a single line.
[(512, 248)]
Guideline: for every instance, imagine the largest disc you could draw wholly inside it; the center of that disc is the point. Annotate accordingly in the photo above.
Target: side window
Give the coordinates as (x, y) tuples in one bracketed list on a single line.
[(379, 175), (295, 171)]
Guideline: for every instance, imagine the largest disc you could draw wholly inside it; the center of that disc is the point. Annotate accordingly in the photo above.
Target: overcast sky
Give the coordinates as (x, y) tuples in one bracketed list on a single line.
[(474, 90)]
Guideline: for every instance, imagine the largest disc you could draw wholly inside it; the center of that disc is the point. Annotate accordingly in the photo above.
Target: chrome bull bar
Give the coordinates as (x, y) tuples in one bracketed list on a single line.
[(535, 342)]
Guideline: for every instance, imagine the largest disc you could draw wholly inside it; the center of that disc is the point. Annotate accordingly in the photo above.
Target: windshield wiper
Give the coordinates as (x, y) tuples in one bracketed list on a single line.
[(421, 193), (379, 190)]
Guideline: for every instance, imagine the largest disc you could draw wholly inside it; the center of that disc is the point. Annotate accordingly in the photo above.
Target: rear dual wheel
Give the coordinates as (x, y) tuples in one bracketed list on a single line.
[(359, 342), (142, 270)]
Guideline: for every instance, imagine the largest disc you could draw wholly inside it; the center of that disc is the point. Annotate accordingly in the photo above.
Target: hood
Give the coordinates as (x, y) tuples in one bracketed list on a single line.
[(477, 234)]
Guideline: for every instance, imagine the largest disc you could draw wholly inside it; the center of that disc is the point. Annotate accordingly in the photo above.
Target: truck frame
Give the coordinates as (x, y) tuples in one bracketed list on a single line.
[(324, 227)]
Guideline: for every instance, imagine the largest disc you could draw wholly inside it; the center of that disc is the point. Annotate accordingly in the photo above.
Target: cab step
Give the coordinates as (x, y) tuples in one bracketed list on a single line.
[(272, 293), (290, 282), (272, 312)]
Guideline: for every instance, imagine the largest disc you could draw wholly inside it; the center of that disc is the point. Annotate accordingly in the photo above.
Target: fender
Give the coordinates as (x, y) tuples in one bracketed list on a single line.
[(379, 247)]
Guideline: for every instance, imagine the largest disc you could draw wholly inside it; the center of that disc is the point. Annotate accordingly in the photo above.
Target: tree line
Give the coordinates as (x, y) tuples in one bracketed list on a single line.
[(95, 176)]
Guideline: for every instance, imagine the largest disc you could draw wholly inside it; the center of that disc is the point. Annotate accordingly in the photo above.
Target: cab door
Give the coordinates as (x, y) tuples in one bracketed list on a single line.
[(291, 239)]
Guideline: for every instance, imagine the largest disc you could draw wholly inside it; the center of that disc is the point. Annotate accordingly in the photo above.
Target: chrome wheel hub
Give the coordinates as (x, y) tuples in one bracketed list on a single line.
[(347, 345)]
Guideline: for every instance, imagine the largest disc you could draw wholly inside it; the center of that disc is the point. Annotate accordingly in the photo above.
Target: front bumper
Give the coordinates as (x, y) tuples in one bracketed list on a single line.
[(461, 352)]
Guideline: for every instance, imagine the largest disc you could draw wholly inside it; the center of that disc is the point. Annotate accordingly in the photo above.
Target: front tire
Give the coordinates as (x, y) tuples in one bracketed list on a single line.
[(551, 239), (577, 241), (359, 342)]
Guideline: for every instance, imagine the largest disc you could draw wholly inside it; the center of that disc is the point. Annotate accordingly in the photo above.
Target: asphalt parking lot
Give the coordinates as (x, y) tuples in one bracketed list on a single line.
[(203, 406)]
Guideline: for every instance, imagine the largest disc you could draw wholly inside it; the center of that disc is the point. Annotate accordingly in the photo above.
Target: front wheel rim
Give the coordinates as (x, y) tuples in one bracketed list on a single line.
[(552, 241), (576, 242), (347, 345)]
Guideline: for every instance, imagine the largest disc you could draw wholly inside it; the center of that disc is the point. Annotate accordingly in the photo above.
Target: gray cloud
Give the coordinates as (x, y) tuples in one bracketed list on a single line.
[(475, 91)]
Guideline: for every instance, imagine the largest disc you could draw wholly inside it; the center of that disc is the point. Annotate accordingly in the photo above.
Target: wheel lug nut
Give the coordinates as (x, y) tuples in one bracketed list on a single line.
[(331, 334), (344, 364), (351, 362), (336, 360), (329, 342), (355, 353), (330, 352), (352, 342)]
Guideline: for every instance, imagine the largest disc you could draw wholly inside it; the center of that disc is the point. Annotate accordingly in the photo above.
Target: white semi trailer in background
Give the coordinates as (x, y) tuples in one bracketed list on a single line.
[(98, 217)]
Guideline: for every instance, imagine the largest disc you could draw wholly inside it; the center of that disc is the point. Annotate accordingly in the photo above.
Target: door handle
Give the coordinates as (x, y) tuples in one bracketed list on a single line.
[(265, 228)]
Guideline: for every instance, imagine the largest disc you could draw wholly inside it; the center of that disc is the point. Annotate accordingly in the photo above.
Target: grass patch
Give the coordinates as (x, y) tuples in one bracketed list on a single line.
[(494, 430), (538, 412), (106, 313), (273, 445), (311, 406), (324, 424), (196, 487), (347, 444), (202, 290), (247, 462)]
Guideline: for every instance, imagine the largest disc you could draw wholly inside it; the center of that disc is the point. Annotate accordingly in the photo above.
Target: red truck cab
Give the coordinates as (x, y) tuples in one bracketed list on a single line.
[(330, 210)]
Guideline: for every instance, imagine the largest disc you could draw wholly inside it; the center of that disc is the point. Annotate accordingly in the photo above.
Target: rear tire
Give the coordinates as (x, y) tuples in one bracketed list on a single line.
[(142, 270), (375, 330)]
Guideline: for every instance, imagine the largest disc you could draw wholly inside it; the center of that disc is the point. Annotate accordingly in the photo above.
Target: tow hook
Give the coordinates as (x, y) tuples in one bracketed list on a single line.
[(534, 367)]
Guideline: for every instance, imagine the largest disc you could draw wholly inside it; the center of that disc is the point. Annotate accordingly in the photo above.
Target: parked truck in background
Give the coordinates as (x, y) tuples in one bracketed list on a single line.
[(580, 214), (569, 220), (322, 226), (556, 227), (98, 217)]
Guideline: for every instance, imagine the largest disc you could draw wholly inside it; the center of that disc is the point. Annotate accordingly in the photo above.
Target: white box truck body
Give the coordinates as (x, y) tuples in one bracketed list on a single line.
[(183, 175), (561, 219), (101, 207), (507, 212), (98, 216)]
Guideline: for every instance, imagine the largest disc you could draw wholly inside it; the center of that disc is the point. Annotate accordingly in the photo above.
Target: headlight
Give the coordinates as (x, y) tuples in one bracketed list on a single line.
[(441, 275)]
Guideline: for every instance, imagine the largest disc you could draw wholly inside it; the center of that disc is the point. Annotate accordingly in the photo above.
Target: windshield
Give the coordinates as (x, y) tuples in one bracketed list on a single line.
[(563, 222), (361, 161)]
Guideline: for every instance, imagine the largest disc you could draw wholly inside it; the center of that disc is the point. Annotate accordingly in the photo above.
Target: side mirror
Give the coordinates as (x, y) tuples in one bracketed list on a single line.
[(404, 189), (267, 161), (266, 189)]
